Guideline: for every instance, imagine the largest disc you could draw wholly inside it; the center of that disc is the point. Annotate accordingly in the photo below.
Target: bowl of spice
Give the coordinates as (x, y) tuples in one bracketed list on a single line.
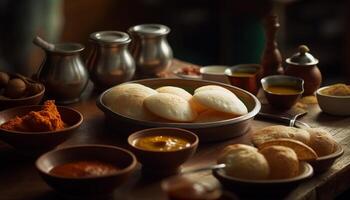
[(334, 99), (86, 170), (163, 150), (37, 128), (18, 90)]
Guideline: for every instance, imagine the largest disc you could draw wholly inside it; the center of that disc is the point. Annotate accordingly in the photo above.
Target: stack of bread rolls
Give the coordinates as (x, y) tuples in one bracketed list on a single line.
[(318, 139), (173, 104)]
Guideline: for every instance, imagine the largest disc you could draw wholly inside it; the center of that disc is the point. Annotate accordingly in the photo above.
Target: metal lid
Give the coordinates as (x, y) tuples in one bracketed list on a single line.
[(150, 29), (302, 57), (110, 37)]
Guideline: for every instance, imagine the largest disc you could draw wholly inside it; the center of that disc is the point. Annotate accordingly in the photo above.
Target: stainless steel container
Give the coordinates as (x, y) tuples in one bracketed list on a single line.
[(62, 72), (110, 62), (150, 48)]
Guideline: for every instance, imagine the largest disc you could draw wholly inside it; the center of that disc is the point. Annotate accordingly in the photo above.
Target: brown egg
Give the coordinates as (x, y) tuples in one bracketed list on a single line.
[(4, 79), (15, 88)]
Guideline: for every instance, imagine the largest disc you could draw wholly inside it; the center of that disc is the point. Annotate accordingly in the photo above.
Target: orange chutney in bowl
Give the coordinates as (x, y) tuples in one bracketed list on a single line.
[(161, 143)]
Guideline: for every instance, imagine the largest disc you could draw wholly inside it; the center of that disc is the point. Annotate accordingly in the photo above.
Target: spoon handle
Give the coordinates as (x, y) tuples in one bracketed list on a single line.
[(43, 44), (211, 167)]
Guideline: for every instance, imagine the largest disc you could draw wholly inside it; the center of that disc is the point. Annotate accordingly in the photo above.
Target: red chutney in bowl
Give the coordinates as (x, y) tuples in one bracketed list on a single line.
[(83, 169)]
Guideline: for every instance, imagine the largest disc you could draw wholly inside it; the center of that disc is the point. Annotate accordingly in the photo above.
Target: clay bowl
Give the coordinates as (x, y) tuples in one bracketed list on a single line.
[(244, 76), (163, 162), (211, 131), (214, 73), (267, 188), (38, 142), (87, 186), (281, 100), (334, 105), (322, 164), (25, 101)]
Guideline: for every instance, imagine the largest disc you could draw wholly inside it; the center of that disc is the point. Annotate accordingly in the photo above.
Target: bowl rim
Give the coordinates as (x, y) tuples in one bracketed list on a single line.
[(263, 81), (203, 68), (319, 92), (308, 172), (127, 169), (180, 130), (74, 126), (336, 154), (189, 125), (228, 71), (29, 97)]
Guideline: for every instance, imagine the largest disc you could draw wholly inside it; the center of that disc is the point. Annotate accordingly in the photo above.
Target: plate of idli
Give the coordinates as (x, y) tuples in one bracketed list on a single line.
[(214, 111)]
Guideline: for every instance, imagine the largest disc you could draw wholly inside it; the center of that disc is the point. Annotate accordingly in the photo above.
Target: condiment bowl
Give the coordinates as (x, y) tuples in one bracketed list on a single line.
[(36, 142), (244, 76), (263, 187), (214, 73), (323, 163), (334, 105), (210, 131), (35, 99), (163, 162), (122, 159), (281, 100)]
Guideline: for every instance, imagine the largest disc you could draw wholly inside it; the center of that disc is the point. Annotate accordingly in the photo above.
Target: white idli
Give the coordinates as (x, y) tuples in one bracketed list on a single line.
[(211, 87), (213, 116), (127, 100), (221, 101), (176, 91), (170, 106)]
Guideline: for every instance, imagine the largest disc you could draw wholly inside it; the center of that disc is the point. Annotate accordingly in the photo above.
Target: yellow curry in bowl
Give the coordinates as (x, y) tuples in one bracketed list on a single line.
[(161, 143)]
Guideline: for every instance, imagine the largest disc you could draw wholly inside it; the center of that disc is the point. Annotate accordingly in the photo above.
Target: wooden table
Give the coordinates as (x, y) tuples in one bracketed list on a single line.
[(19, 179)]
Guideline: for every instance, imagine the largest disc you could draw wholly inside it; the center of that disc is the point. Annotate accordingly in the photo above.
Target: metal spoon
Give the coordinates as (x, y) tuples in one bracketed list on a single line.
[(200, 169)]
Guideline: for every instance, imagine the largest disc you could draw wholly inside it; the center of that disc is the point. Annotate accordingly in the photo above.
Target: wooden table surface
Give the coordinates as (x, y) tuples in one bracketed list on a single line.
[(19, 179)]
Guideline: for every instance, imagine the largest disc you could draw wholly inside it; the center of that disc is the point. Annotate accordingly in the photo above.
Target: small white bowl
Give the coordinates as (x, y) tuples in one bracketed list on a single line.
[(334, 105), (214, 73)]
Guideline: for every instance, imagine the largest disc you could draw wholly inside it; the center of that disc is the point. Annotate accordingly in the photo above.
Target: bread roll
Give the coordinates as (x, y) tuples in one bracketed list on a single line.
[(176, 91), (243, 161), (170, 106), (283, 161), (128, 100), (279, 131), (321, 141), (221, 101), (213, 116)]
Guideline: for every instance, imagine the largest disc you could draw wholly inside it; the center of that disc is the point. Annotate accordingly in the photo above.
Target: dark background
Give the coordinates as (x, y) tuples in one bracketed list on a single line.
[(204, 32)]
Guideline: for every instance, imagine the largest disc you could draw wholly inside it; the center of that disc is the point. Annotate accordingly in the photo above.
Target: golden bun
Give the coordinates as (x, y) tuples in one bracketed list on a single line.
[(243, 161), (278, 131), (321, 141), (283, 161)]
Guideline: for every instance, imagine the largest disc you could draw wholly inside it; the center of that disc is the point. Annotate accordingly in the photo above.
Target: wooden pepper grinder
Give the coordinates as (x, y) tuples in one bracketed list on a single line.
[(271, 59)]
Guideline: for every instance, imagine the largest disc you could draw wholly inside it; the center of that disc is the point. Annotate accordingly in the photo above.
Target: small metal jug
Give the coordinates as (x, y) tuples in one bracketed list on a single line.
[(62, 72), (110, 62), (150, 48)]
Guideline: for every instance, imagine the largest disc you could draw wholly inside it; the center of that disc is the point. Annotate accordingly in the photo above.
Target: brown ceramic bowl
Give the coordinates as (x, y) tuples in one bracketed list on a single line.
[(281, 100), (267, 188), (25, 101), (87, 186), (322, 164), (244, 76), (211, 131), (34, 142), (163, 162)]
